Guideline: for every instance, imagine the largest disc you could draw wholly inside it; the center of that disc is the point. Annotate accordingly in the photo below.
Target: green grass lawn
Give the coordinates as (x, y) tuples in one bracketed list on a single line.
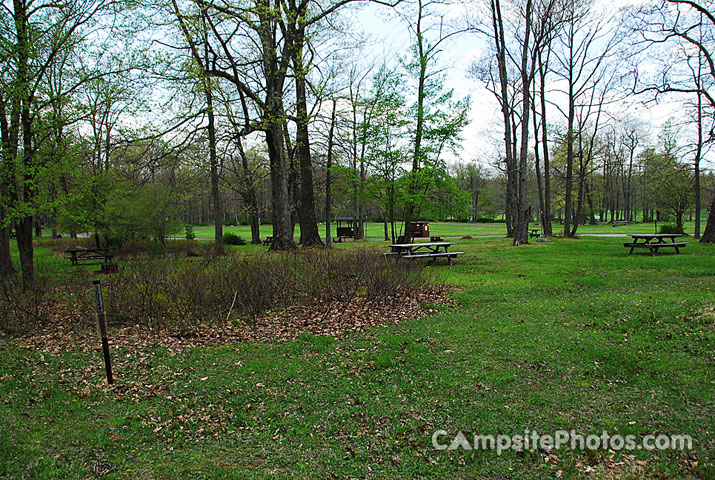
[(376, 230), (573, 334)]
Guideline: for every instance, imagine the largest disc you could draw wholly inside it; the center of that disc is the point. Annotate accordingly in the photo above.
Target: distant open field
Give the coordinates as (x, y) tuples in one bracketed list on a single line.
[(376, 230)]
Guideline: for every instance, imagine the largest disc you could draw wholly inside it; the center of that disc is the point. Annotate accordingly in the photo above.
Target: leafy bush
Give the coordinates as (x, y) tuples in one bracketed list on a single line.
[(189, 232), (671, 229), (233, 239), (146, 212)]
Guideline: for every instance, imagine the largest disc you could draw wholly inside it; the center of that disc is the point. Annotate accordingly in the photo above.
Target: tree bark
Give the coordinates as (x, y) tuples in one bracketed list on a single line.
[(329, 165), (709, 232), (309, 234), (6, 266), (521, 230), (698, 154), (280, 198), (547, 227), (7, 269), (500, 45), (213, 161)]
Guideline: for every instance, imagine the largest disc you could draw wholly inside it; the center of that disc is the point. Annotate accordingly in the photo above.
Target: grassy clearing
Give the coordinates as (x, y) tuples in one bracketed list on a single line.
[(573, 334), (376, 230)]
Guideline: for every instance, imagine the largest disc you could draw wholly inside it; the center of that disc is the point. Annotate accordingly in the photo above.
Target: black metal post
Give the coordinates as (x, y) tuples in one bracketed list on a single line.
[(102, 329)]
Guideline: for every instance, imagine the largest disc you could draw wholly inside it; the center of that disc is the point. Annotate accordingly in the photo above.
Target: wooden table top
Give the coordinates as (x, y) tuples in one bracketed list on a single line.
[(422, 244), (655, 235)]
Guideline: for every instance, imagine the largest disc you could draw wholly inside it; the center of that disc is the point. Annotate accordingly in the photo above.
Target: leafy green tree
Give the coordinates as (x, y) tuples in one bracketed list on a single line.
[(145, 212), (437, 119), (383, 133), (669, 182)]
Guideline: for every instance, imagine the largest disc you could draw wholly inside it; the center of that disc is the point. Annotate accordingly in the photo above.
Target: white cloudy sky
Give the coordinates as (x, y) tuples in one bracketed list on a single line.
[(389, 36)]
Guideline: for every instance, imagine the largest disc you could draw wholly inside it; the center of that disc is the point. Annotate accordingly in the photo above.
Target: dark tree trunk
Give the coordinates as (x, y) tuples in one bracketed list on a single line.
[(547, 228), (248, 193), (309, 234), (521, 230), (698, 153), (282, 225), (24, 244), (213, 162), (7, 269), (537, 167), (709, 233), (328, 173), (499, 40)]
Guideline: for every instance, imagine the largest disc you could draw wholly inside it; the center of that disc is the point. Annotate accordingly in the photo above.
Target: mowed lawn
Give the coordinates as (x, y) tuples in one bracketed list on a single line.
[(572, 334), (377, 231)]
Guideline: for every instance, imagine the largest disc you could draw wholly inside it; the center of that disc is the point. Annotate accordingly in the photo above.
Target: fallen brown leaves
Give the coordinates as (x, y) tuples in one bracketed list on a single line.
[(69, 331)]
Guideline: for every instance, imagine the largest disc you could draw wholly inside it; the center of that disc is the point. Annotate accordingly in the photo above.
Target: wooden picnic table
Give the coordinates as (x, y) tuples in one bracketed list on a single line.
[(655, 241), (77, 255), (432, 250)]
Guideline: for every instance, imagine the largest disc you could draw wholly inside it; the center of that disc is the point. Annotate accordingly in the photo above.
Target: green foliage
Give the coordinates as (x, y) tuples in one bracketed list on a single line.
[(668, 181), (189, 232), (145, 212), (83, 207), (670, 229), (233, 239)]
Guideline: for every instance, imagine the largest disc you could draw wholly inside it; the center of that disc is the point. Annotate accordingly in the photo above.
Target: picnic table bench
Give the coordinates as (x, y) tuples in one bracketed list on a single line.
[(431, 250), (76, 255), (619, 223), (534, 232), (655, 241), (268, 241)]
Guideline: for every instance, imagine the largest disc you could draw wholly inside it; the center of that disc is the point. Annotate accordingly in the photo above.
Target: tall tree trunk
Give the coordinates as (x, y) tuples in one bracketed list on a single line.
[(499, 40), (6, 153), (248, 193), (328, 179), (7, 269), (521, 230), (213, 161), (309, 234), (537, 167), (412, 186), (547, 227), (23, 226), (24, 244), (698, 153), (709, 233), (280, 198)]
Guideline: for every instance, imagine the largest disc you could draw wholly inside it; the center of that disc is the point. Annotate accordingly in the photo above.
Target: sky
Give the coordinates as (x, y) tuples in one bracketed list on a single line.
[(482, 136)]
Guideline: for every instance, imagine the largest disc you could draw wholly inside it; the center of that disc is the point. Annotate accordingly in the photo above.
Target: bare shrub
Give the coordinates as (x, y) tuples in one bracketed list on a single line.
[(177, 295)]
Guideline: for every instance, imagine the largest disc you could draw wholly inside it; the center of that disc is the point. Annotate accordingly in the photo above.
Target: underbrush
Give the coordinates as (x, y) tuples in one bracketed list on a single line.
[(178, 294), (133, 248)]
